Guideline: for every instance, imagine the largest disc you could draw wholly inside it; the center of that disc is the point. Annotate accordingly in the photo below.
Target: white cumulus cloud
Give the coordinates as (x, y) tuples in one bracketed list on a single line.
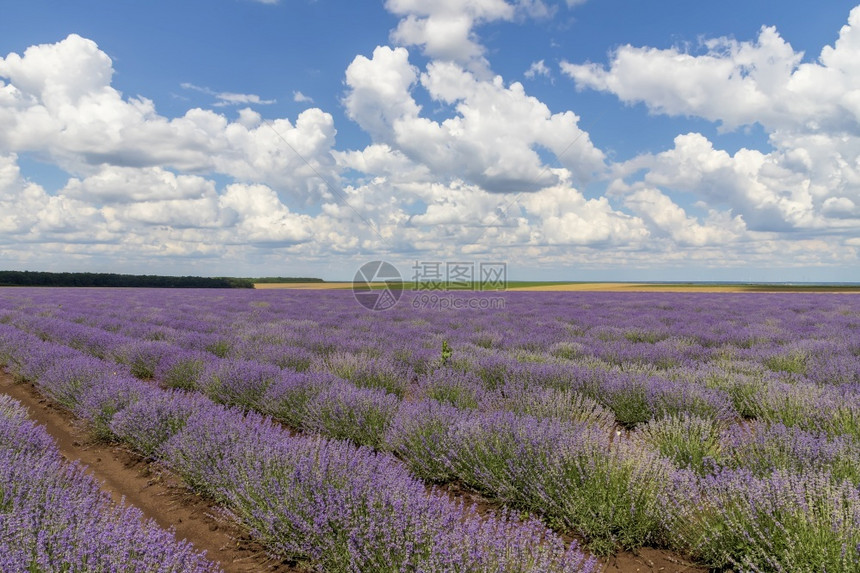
[(492, 138), (808, 183), (59, 104)]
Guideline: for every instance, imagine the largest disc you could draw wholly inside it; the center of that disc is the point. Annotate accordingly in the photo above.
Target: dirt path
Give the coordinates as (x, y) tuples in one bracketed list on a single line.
[(157, 493), (648, 560)]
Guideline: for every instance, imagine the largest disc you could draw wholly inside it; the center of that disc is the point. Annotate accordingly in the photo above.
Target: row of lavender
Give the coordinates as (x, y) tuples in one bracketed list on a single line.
[(811, 355), (550, 451), (544, 390), (53, 517), (794, 336), (333, 505), (489, 383)]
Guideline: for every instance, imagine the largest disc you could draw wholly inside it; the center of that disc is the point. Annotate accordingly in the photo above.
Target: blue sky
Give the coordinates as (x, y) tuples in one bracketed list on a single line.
[(578, 140)]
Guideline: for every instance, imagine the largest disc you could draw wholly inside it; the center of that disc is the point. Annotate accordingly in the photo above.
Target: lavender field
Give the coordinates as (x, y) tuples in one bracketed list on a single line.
[(723, 427)]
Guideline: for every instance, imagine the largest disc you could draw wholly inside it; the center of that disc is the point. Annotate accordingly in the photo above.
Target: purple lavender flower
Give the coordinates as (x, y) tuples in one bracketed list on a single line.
[(420, 434), (142, 357), (147, 424), (239, 382), (763, 448), (451, 386), (287, 398), (110, 394), (688, 440), (181, 368), (343, 411)]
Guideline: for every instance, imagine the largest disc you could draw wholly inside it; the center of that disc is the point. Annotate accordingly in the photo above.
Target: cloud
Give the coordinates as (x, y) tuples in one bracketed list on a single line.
[(68, 71), (769, 196), (60, 105), (808, 183), (537, 69), (262, 218), (139, 180), (667, 218), (492, 139), (299, 97), (445, 29), (20, 200), (786, 191), (490, 173), (563, 216), (740, 83), (840, 208), (379, 90), (122, 207), (229, 98)]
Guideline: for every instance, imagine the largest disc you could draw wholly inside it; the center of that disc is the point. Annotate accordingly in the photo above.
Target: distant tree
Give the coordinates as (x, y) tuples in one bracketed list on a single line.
[(30, 278)]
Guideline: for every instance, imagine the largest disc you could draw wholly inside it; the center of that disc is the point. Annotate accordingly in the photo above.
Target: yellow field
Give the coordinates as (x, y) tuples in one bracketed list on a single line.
[(652, 287), (597, 287), (305, 286)]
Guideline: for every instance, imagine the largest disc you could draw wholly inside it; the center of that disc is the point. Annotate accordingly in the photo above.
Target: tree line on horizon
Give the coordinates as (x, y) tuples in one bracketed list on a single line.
[(39, 278)]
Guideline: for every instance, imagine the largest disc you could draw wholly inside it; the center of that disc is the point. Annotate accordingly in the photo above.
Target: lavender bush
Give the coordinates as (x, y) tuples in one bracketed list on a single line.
[(420, 435), (549, 402), (100, 402), (344, 508), (142, 357), (688, 440), (68, 378), (148, 424), (288, 397), (370, 372), (238, 382), (461, 389), (782, 522), (181, 369), (343, 411), (764, 448)]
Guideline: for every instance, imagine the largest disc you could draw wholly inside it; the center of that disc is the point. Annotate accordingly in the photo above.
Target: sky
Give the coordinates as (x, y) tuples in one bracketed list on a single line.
[(565, 139)]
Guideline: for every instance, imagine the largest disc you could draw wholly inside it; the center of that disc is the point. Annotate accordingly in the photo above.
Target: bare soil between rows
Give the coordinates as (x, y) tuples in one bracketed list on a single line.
[(163, 497)]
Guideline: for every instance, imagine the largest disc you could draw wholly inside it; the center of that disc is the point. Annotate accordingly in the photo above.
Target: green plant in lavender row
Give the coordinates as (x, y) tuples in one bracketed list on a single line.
[(688, 440), (446, 353)]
